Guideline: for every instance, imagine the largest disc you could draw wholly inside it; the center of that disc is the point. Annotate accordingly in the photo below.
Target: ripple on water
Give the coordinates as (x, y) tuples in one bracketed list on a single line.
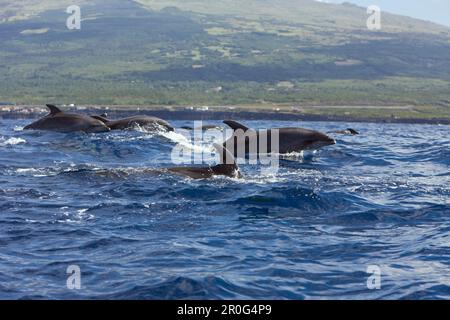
[(103, 202)]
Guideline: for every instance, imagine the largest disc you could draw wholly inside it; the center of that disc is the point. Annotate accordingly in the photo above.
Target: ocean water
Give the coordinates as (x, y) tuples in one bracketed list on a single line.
[(100, 202)]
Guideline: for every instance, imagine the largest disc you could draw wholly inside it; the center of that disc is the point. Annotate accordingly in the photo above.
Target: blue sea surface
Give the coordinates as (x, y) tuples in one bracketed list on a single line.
[(97, 201)]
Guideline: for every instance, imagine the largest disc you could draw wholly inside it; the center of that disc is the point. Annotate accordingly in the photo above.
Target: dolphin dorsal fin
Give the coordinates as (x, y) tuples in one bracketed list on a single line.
[(226, 157), (235, 125), (53, 109)]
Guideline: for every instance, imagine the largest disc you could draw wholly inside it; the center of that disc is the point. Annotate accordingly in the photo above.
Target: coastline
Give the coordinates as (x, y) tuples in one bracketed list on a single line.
[(255, 112)]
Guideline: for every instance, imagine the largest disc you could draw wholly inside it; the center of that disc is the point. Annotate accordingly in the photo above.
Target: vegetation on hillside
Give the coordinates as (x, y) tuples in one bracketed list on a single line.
[(173, 52)]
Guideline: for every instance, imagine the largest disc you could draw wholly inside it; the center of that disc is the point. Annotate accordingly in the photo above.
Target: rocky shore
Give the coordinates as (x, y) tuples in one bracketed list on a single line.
[(215, 113)]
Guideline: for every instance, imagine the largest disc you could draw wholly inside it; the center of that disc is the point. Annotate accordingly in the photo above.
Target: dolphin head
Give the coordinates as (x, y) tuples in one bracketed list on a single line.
[(316, 140)]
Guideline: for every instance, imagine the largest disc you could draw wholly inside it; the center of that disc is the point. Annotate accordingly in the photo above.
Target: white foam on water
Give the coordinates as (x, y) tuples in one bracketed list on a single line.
[(53, 171), (124, 137), (81, 212), (183, 141), (81, 215), (143, 129), (138, 128), (11, 141), (27, 170), (78, 217), (36, 172), (292, 155), (261, 179), (18, 128)]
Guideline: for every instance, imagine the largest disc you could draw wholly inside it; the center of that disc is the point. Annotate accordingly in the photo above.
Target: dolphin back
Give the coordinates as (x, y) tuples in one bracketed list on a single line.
[(60, 121), (228, 165), (235, 125)]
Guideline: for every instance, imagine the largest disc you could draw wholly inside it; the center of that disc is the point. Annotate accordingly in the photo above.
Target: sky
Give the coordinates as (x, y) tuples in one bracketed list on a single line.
[(432, 10)]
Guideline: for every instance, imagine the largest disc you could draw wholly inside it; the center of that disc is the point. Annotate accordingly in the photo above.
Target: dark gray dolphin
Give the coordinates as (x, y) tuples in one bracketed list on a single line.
[(348, 131), (227, 167), (60, 121), (290, 139), (146, 122)]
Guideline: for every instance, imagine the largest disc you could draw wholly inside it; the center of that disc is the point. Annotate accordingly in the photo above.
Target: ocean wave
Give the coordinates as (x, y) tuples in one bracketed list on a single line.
[(307, 230), (11, 141), (210, 287)]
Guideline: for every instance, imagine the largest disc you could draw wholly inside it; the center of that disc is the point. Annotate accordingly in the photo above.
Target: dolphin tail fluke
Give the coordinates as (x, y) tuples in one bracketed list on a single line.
[(53, 109), (235, 125)]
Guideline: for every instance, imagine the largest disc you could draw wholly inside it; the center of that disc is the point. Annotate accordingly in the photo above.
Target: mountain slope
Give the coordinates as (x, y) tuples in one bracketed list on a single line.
[(326, 15), (227, 52)]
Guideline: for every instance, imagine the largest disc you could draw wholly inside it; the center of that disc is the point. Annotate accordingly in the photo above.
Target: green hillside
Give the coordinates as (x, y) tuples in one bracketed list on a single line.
[(335, 17), (174, 52)]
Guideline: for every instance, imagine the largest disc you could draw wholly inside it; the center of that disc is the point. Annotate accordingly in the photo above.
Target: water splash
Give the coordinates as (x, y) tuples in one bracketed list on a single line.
[(11, 141)]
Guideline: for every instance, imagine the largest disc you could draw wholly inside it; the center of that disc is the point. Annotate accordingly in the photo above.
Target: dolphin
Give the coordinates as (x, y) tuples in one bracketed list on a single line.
[(60, 121), (147, 122), (227, 167), (290, 139), (348, 131)]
